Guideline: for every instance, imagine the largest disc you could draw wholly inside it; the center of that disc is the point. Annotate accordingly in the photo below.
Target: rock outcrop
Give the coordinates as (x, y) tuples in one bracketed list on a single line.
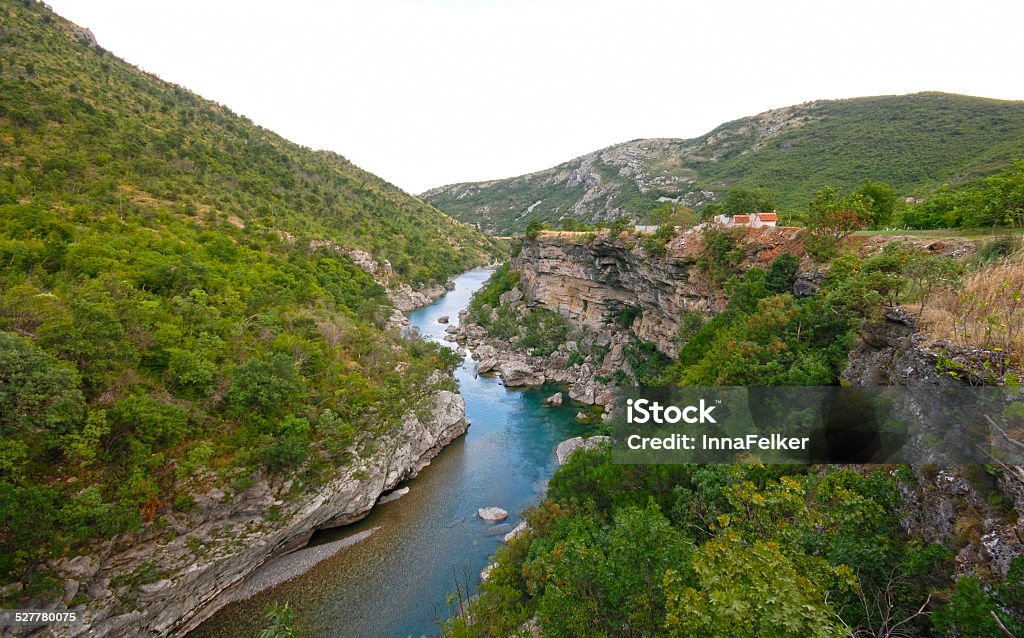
[(593, 284), (595, 280), (228, 536), (949, 506), (516, 373), (567, 447)]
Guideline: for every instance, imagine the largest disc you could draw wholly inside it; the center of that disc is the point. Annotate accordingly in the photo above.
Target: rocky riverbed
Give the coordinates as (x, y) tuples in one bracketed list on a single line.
[(587, 379)]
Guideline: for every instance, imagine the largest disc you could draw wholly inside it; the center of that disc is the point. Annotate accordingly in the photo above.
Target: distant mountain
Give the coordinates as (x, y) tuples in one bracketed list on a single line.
[(914, 142)]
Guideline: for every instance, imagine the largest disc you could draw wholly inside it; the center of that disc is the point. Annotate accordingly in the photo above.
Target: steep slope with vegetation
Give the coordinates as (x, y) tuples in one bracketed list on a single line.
[(916, 143), (185, 342), (84, 130), (726, 550)]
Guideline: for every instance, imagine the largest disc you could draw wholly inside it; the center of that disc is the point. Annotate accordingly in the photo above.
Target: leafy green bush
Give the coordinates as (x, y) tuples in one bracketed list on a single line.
[(782, 273), (543, 331), (268, 384), (655, 244)]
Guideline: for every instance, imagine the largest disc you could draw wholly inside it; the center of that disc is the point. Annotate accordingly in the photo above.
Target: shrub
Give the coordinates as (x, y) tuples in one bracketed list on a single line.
[(782, 273), (269, 384)]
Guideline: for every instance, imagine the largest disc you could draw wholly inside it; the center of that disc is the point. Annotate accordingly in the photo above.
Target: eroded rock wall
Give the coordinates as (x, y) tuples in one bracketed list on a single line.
[(594, 283), (229, 536)]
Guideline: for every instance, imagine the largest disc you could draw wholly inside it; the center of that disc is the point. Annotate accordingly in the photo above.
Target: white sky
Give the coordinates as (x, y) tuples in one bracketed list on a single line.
[(430, 92)]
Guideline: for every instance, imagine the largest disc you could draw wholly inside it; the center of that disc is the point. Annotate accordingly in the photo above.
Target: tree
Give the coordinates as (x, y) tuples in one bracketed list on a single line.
[(782, 273), (38, 393), (534, 228), (741, 201), (830, 218), (974, 613), (1006, 202), (881, 202), (269, 384), (672, 214), (928, 273)]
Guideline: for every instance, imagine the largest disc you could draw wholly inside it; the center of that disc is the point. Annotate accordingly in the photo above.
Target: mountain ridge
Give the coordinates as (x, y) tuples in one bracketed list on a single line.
[(926, 139)]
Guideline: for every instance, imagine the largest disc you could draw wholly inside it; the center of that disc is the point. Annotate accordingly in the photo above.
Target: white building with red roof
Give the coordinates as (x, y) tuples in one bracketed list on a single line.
[(753, 220)]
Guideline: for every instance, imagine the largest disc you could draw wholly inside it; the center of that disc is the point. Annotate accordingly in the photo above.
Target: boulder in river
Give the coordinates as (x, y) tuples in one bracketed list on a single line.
[(555, 399), (517, 373), (443, 319), (492, 514)]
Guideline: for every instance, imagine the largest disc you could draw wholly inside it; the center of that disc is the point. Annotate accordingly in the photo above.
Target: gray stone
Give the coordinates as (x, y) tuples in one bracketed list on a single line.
[(555, 399), (485, 573), (443, 319), (583, 391), (512, 296), (519, 373), (485, 352), (566, 448), (492, 514), (70, 590), (808, 283), (516, 531)]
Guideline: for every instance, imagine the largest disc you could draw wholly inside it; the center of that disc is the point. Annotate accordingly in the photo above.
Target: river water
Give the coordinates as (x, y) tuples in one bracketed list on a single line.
[(394, 584)]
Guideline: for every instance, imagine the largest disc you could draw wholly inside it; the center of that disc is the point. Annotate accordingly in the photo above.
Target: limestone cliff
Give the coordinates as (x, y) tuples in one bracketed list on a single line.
[(594, 279), (151, 589)]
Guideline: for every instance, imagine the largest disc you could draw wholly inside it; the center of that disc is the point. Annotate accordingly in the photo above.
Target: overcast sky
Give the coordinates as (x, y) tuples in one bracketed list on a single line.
[(430, 92)]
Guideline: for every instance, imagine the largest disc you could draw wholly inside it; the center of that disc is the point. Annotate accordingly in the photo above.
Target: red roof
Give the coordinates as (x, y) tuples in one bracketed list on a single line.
[(768, 217), (741, 219)]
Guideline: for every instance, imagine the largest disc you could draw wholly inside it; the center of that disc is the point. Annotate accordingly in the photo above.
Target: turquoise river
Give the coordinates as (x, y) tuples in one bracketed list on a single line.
[(395, 583)]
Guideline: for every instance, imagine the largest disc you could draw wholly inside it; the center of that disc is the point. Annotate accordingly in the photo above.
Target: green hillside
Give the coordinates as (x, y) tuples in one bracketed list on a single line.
[(167, 323), (916, 143), (82, 128)]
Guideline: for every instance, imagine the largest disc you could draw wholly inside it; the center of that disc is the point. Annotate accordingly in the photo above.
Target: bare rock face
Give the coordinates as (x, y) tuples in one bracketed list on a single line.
[(486, 365), (808, 283), (888, 354), (939, 505), (237, 537), (405, 298), (597, 283), (567, 447)]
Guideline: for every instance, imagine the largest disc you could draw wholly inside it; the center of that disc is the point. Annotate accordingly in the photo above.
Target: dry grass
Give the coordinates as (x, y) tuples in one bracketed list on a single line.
[(987, 311)]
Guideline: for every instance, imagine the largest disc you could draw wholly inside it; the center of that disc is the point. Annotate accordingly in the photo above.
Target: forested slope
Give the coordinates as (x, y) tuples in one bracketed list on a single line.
[(177, 310)]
